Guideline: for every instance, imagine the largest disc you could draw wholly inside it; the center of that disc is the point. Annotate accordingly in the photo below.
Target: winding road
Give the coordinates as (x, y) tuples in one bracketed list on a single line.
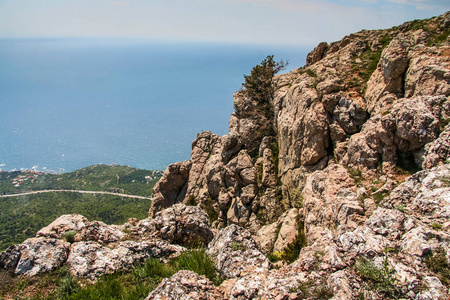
[(75, 191)]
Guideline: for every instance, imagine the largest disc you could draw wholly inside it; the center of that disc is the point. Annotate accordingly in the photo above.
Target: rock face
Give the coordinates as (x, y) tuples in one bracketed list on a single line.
[(234, 251), (184, 285), (91, 260), (179, 224), (64, 223), (41, 255)]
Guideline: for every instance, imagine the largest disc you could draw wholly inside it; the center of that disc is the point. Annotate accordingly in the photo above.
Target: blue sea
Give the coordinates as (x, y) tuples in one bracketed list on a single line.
[(69, 103)]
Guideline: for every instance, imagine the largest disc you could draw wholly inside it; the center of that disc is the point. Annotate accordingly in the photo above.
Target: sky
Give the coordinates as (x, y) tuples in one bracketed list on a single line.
[(282, 22)]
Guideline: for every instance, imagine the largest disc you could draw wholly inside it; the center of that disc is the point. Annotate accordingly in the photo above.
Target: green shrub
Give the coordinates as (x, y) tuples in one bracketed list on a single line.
[(436, 225), (191, 201), (311, 73), (198, 261), (437, 262), (378, 197), (296, 198), (400, 208), (208, 206), (356, 174), (380, 279), (237, 246), (68, 286), (69, 236), (258, 85), (292, 250)]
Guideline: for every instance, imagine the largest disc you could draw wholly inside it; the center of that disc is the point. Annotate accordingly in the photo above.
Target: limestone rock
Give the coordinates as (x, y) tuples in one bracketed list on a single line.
[(91, 260), (100, 232), (438, 151), (10, 257), (167, 189), (266, 237), (234, 250), (435, 289), (387, 222), (316, 54), (288, 229), (38, 255), (179, 224), (63, 224), (322, 254), (329, 200), (184, 285), (426, 192)]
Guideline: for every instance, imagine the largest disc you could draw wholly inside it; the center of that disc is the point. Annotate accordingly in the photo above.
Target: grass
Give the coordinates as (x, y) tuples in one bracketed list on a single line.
[(69, 236), (438, 264), (311, 73), (357, 175), (401, 208), (436, 226), (191, 201), (379, 279), (208, 206), (296, 198), (309, 291), (292, 250), (136, 284)]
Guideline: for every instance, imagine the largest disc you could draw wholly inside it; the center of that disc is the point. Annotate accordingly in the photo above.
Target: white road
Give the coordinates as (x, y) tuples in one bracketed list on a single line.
[(75, 191)]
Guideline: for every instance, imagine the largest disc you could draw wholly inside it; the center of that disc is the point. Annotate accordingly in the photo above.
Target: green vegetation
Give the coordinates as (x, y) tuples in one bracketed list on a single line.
[(378, 197), (69, 236), (208, 206), (237, 246), (258, 85), (120, 179), (436, 226), (435, 38), (296, 198), (198, 261), (437, 262), (191, 201), (136, 284), (357, 175), (22, 216), (318, 292), (401, 208), (311, 73), (380, 279), (292, 250)]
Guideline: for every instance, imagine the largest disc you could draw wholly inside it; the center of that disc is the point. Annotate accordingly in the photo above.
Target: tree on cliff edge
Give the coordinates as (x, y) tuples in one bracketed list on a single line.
[(258, 85)]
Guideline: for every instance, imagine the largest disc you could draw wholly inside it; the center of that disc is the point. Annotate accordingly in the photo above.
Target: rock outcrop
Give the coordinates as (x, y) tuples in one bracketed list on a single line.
[(234, 251), (326, 172)]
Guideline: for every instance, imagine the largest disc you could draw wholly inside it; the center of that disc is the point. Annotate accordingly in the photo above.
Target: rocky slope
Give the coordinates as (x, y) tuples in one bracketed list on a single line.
[(349, 163)]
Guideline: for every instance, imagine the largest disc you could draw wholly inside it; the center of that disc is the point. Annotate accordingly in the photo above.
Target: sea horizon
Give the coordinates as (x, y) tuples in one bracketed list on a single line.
[(68, 103)]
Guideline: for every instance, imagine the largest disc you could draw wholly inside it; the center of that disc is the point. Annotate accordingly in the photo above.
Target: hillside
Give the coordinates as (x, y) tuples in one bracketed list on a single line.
[(332, 185), (21, 217), (123, 179)]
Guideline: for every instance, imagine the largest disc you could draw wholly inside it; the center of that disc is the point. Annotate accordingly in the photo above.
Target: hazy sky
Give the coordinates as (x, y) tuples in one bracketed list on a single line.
[(296, 22)]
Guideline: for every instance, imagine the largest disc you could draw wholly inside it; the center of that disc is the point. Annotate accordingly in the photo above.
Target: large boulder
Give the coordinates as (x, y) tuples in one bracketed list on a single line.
[(63, 224), (234, 250), (179, 224), (171, 188), (329, 200), (438, 151), (10, 257), (39, 255), (184, 285), (91, 260)]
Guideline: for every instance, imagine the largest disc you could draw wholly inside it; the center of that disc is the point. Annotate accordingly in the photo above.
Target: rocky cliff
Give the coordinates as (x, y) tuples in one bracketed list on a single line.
[(344, 176)]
